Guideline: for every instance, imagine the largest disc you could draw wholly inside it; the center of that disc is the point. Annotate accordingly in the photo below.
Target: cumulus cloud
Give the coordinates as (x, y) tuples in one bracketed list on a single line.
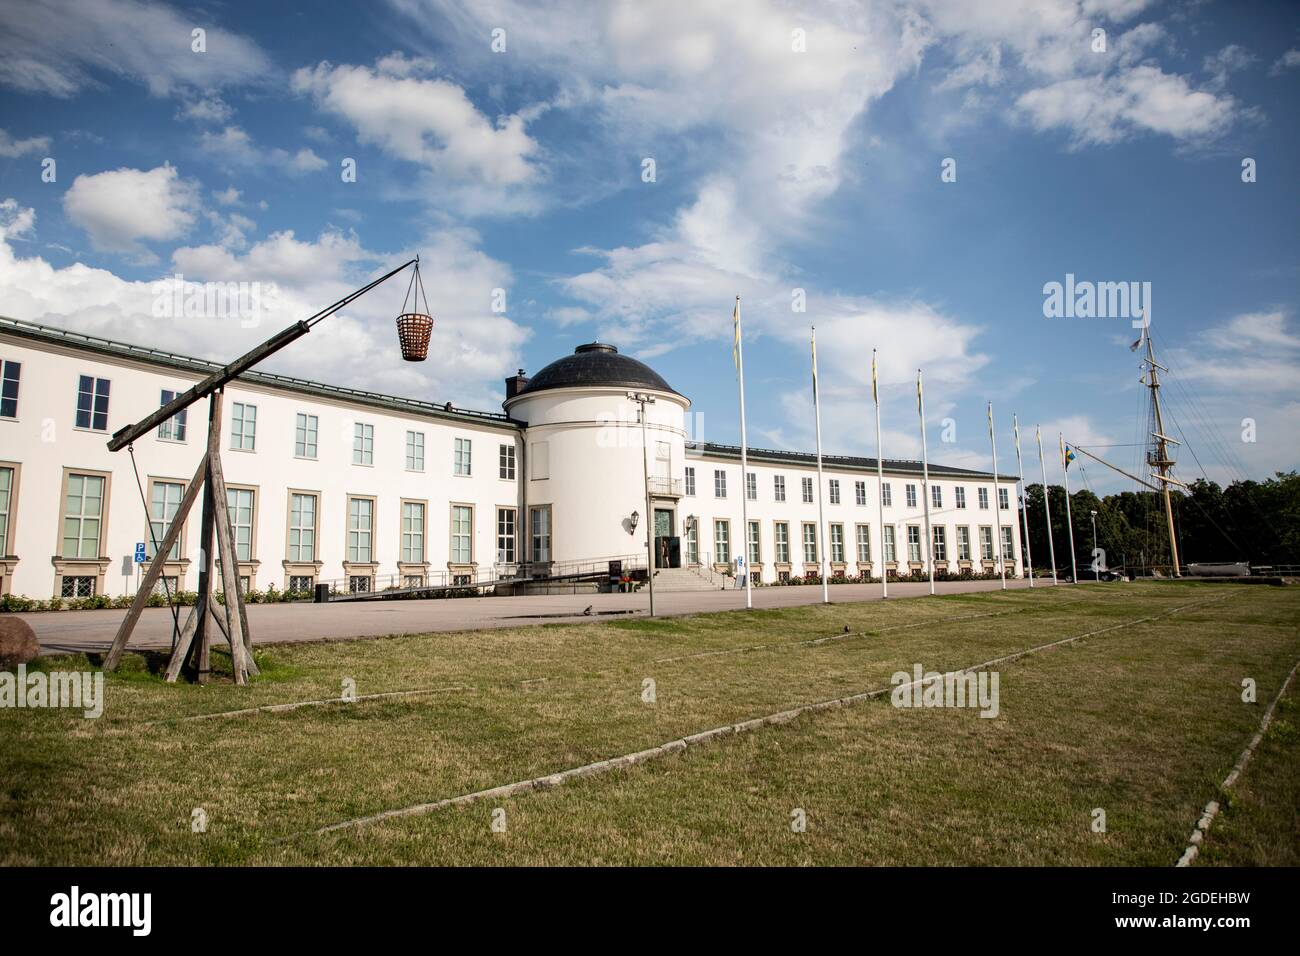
[(59, 47), (235, 145), (409, 114), (122, 208), (1290, 60)]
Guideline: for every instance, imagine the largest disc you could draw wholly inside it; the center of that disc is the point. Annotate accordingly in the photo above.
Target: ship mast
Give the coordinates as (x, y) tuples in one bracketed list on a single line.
[(1158, 457)]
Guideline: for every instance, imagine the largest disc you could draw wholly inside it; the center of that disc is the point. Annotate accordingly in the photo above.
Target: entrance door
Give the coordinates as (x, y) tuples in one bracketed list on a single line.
[(663, 535)]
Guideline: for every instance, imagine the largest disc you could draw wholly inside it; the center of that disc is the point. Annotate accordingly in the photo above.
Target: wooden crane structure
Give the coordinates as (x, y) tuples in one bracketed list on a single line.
[(194, 641)]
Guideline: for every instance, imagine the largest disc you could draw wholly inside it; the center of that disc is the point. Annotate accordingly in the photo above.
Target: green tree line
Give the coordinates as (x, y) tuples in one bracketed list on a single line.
[(1255, 521)]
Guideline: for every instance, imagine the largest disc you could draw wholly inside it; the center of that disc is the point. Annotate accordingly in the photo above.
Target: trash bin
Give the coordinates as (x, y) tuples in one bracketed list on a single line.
[(322, 594)]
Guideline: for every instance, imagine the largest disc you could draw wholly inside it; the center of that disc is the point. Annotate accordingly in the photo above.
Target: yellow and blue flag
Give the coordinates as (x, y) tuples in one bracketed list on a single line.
[(1067, 456)]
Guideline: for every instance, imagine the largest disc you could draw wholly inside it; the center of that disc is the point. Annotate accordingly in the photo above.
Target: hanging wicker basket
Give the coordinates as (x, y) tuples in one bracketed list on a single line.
[(413, 330)]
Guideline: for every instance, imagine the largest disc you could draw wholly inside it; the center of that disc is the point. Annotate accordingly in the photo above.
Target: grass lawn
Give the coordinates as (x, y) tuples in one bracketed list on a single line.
[(1142, 721)]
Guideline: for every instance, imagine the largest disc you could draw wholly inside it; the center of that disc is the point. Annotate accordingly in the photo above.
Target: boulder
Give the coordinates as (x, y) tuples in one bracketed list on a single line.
[(18, 643)]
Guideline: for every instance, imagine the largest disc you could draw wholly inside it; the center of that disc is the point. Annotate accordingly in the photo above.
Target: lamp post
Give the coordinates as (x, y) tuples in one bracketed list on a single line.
[(1096, 572), (641, 400)]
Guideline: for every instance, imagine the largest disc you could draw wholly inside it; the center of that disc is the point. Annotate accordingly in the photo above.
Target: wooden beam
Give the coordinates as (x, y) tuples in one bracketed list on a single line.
[(229, 572), (202, 639), (182, 648), (155, 570)]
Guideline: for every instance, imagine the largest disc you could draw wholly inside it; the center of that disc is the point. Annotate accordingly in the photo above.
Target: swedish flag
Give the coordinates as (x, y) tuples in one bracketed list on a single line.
[(1069, 455)]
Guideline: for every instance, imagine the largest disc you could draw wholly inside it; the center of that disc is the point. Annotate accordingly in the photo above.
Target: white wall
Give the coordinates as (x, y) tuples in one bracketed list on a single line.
[(44, 440)]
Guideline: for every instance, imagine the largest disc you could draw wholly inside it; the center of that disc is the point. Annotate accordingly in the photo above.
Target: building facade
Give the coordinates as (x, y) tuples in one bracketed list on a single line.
[(367, 491)]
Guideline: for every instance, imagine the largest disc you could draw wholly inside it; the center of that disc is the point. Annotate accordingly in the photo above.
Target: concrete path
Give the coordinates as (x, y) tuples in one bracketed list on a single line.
[(75, 631)]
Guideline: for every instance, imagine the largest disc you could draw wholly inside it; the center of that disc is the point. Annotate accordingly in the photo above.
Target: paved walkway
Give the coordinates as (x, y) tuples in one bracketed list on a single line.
[(75, 631)]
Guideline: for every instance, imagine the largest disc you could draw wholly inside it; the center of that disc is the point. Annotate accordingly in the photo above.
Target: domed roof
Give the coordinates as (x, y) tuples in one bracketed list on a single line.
[(596, 365)]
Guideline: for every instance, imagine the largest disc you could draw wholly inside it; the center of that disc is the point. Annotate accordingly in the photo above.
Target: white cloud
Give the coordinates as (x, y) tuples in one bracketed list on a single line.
[(1099, 110), (472, 350), (425, 120), (1290, 60), (228, 196), (235, 145), (11, 148), (121, 208), (206, 109), (1231, 59), (58, 47)]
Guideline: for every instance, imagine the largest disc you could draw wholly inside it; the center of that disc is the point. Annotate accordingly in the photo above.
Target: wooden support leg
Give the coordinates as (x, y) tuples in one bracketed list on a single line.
[(155, 570), (201, 663), (229, 564), (182, 648)]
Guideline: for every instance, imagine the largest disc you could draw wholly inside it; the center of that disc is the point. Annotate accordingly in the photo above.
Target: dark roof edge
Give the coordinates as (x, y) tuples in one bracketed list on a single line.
[(839, 462), (139, 353)]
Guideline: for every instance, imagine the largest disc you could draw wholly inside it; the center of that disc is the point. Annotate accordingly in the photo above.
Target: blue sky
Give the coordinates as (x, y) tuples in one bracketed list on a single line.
[(795, 146)]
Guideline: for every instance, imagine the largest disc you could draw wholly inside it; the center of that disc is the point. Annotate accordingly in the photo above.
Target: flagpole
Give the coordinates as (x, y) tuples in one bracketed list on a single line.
[(880, 480), (1047, 507), (1069, 519), (821, 526), (744, 462), (925, 479), (997, 501), (1024, 502)]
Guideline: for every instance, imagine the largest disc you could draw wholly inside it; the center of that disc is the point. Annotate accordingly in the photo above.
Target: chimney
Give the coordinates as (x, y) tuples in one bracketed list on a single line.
[(516, 384)]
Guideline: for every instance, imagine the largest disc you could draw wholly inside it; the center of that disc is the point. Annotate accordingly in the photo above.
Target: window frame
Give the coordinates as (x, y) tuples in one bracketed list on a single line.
[(93, 411), (300, 423)]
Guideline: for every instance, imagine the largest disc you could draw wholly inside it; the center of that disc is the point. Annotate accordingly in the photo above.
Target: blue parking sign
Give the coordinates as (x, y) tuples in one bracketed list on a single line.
[(139, 553)]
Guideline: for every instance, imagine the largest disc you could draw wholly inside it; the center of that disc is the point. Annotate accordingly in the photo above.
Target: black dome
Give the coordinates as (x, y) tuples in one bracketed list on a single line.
[(597, 365)]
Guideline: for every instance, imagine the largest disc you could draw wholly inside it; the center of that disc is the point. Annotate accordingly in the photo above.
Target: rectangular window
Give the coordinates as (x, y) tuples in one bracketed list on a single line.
[(690, 481), (361, 530), (940, 535), (1004, 499), (243, 427), (751, 486), (864, 543), (986, 543), (359, 583), (719, 483), (174, 428), (413, 532), (80, 586), (936, 496), (506, 535), (163, 505), (301, 583), (302, 527), (960, 493), (963, 544), (6, 504), (722, 542), (540, 519), (910, 495), (782, 543), (860, 492), (506, 462), (778, 487), (886, 495), (239, 502), (755, 555), (10, 372), (305, 429), (807, 490), (810, 543), (1008, 546), (463, 464), (462, 534), (693, 542), (837, 543), (92, 403), (83, 513), (984, 498), (913, 542), (415, 451), (835, 491), (363, 444), (890, 550)]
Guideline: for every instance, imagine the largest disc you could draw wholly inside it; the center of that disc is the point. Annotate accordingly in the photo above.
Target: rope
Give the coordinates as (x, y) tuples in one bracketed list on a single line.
[(176, 617)]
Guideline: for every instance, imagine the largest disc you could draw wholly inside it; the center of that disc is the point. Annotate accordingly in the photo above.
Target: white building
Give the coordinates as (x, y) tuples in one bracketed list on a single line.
[(367, 491)]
